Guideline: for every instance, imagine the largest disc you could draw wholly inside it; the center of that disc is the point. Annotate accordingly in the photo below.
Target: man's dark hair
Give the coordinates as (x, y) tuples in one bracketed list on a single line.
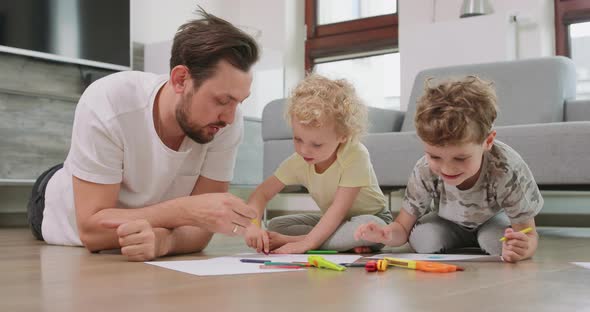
[(201, 43)]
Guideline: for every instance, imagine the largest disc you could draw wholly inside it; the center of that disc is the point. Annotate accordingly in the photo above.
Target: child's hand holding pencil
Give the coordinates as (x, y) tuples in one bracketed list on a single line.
[(518, 245)]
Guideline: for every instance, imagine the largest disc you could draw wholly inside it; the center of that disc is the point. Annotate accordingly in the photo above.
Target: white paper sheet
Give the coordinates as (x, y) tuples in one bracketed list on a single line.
[(442, 257), (232, 265), (585, 265)]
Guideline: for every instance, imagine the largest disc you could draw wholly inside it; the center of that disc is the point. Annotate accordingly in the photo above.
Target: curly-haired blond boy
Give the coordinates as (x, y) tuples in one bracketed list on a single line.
[(469, 189), (327, 119)]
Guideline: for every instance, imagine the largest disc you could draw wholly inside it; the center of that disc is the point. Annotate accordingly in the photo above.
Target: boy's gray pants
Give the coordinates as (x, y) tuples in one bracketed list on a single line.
[(433, 234)]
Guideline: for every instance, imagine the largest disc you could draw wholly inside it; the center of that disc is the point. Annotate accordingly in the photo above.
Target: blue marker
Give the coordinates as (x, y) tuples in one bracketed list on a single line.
[(254, 260)]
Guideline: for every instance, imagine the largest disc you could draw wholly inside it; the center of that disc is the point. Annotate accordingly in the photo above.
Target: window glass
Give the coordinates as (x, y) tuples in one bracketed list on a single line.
[(375, 78), (580, 50), (334, 11)]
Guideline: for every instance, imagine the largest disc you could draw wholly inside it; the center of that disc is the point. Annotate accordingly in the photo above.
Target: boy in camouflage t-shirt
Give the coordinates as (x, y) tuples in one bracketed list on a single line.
[(469, 189)]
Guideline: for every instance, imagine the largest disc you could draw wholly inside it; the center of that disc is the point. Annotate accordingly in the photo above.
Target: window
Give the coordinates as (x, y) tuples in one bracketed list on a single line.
[(356, 40), (376, 78), (579, 37), (572, 33), (334, 11)]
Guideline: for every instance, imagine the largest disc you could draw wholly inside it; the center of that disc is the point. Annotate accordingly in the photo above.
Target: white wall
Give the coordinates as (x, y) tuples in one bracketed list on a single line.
[(157, 20), (432, 35), (294, 46), (266, 18)]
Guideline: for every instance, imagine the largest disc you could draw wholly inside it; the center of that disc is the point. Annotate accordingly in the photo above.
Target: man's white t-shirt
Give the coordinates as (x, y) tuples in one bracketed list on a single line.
[(114, 141)]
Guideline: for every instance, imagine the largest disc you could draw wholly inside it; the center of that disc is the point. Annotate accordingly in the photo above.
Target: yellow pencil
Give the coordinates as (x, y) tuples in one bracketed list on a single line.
[(523, 231)]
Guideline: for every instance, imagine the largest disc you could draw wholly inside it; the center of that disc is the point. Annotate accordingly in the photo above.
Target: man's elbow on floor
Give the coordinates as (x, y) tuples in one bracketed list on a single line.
[(94, 243), (199, 247)]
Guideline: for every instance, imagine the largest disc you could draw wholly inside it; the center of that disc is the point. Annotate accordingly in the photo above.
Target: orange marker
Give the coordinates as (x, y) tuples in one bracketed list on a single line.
[(424, 266)]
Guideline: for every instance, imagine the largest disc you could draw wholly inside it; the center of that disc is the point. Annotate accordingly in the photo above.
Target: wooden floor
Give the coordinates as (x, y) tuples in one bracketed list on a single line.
[(37, 277)]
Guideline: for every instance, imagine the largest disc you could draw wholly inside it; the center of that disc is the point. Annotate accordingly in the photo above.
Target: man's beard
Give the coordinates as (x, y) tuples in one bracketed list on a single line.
[(195, 132)]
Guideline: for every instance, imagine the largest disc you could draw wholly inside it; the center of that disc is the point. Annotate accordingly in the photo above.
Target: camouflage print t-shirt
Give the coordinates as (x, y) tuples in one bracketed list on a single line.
[(505, 183)]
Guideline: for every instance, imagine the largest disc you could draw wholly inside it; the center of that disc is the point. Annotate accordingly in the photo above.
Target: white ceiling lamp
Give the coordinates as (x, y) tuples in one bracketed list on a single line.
[(475, 8)]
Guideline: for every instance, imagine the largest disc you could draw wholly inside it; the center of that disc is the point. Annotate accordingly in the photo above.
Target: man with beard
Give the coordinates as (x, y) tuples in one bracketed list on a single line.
[(151, 156)]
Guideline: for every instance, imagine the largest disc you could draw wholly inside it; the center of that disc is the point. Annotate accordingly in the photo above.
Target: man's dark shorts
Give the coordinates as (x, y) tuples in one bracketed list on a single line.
[(36, 204)]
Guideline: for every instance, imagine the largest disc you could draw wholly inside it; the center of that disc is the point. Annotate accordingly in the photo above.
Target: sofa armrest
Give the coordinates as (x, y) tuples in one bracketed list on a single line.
[(385, 120), (577, 110)]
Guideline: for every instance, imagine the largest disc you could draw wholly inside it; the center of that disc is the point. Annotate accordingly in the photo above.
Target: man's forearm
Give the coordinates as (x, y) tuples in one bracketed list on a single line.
[(188, 239), (170, 214)]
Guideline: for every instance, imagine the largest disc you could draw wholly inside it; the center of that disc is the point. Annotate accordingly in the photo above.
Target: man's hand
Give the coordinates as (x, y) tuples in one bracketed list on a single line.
[(221, 213), (138, 239), (518, 246), (374, 233), (257, 238)]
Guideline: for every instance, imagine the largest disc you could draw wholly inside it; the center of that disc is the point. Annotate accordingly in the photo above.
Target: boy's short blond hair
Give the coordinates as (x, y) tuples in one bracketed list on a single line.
[(456, 111), (318, 100)]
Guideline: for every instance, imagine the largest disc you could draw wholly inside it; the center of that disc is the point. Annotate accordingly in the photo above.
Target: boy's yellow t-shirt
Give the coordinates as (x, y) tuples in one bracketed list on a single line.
[(352, 168)]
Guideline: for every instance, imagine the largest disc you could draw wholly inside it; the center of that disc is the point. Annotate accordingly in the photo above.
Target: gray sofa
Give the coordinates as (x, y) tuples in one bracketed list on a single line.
[(539, 117)]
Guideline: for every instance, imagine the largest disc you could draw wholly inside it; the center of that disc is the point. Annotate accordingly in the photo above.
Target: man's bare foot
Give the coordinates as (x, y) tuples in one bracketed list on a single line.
[(362, 250), (277, 240)]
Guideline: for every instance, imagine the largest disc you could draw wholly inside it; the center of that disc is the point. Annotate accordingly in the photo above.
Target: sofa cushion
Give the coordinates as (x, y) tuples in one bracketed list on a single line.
[(393, 156), (384, 120), (529, 91), (556, 153), (275, 151), (274, 125), (577, 110)]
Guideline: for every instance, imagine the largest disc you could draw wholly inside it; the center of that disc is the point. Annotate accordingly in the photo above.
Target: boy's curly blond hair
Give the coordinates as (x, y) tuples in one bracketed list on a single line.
[(318, 100), (456, 111)]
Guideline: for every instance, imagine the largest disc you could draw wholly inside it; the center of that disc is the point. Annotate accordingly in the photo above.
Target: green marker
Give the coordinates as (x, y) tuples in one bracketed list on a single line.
[(321, 252), (321, 263)]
